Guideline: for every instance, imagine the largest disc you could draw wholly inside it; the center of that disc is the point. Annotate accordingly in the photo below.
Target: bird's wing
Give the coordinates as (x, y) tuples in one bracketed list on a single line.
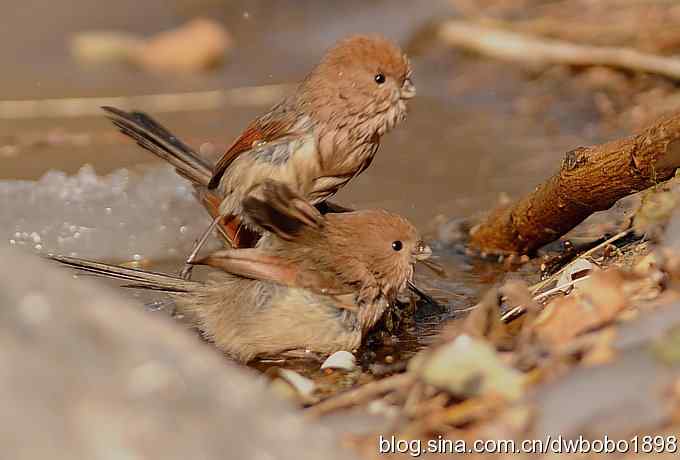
[(258, 131), (274, 207), (255, 264)]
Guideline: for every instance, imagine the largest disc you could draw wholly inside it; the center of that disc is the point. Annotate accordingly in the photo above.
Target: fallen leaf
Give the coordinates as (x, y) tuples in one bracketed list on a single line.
[(597, 302), (469, 367), (517, 293), (509, 424), (667, 347), (602, 350), (657, 207)]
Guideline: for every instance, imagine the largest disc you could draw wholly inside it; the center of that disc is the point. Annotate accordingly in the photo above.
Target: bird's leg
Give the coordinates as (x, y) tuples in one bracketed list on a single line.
[(188, 267)]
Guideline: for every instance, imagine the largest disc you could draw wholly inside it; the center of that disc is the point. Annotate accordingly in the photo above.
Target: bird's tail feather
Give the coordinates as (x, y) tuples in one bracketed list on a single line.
[(152, 136), (141, 279)]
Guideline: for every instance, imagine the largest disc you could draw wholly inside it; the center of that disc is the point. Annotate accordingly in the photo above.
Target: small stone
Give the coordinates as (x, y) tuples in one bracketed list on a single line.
[(340, 360), (196, 46)]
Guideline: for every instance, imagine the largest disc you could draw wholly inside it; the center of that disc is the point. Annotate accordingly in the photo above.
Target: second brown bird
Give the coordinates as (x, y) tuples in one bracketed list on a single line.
[(315, 283)]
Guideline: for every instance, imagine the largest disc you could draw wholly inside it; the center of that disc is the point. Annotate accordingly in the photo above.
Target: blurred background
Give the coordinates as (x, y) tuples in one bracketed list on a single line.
[(461, 146), (84, 371), (481, 130)]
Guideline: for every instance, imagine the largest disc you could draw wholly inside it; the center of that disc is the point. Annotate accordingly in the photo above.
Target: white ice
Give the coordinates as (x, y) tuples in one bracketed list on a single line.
[(120, 216)]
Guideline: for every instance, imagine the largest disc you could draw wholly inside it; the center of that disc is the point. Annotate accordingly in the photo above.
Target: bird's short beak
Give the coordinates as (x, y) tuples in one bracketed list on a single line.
[(422, 252), (408, 90)]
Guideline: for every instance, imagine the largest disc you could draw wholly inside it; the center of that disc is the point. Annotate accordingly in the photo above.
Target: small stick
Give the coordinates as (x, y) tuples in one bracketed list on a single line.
[(538, 286), (360, 394), (519, 310), (447, 417), (413, 397)]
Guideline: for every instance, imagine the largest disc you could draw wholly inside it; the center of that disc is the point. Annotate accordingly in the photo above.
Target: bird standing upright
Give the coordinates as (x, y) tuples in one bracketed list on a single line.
[(314, 141)]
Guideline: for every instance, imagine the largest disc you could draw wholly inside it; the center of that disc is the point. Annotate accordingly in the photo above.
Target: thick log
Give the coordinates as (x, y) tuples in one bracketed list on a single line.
[(590, 179)]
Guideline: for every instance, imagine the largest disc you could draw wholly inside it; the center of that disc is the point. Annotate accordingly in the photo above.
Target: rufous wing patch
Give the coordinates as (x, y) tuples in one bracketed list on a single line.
[(256, 132), (252, 263), (230, 228)]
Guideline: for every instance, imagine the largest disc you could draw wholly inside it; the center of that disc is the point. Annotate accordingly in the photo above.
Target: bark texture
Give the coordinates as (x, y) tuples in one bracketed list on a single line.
[(590, 179)]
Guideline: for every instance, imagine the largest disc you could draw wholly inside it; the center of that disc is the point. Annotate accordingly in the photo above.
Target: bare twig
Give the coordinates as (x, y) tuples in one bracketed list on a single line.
[(447, 416), (538, 286), (361, 394), (519, 310), (503, 44)]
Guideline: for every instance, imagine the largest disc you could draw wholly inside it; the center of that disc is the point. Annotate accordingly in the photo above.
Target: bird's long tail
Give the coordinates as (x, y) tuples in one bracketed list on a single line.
[(152, 136), (141, 279)]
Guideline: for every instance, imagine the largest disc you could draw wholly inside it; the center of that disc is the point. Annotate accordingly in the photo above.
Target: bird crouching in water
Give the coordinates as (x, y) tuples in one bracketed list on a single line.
[(314, 283), (315, 140)]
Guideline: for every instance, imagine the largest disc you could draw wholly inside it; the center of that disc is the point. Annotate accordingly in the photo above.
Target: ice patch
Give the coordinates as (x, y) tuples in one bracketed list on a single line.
[(120, 216)]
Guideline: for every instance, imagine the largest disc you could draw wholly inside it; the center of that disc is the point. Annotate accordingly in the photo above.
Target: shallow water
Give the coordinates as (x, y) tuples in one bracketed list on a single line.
[(466, 140)]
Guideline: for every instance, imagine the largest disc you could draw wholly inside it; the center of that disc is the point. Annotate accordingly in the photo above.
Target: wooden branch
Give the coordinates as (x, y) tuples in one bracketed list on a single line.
[(503, 44), (590, 179)]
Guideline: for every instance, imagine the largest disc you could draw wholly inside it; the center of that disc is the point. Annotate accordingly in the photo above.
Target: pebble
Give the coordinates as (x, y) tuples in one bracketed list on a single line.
[(340, 360)]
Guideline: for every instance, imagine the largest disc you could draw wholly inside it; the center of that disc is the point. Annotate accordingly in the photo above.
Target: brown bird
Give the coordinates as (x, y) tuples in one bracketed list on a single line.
[(315, 140), (314, 283)]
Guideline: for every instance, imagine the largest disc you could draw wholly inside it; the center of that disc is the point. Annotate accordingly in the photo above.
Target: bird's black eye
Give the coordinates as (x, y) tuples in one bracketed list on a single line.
[(396, 245), (379, 78)]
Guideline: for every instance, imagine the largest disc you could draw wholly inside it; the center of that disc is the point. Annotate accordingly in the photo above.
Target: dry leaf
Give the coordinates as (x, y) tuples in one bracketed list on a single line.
[(517, 293), (602, 350), (646, 265), (667, 347), (597, 302), (509, 424), (470, 367), (656, 209)]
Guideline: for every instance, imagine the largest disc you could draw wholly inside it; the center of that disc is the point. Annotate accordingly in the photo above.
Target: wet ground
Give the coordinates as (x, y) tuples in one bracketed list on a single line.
[(472, 134)]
